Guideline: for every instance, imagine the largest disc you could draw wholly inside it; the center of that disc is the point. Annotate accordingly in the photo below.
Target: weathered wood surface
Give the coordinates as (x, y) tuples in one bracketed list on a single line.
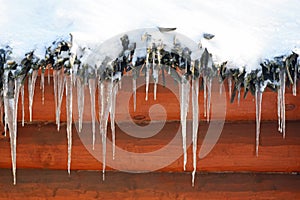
[(56, 184), (41, 146), (166, 97)]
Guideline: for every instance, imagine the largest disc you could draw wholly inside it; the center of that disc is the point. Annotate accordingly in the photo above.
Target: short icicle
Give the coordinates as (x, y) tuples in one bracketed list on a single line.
[(69, 100), (258, 101), (92, 89), (184, 103), (195, 105)]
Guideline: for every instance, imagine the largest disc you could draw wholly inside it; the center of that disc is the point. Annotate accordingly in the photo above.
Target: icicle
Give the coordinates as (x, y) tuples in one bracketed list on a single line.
[(69, 100), (49, 75), (208, 99), (147, 74), (31, 87), (195, 94), (229, 86), (112, 116), (104, 108), (279, 109), (58, 78), (42, 86), (134, 93), (22, 102), (295, 81), (11, 111), (80, 102), (184, 103), (220, 89), (258, 100), (282, 77), (204, 95), (147, 80), (239, 93), (92, 89)]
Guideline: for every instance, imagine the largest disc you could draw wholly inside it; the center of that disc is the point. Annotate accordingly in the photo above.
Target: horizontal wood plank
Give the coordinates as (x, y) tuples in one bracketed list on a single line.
[(55, 184), (41, 146)]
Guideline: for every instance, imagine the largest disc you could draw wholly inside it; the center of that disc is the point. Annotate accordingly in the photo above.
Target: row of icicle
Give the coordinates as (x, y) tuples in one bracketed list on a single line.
[(69, 69)]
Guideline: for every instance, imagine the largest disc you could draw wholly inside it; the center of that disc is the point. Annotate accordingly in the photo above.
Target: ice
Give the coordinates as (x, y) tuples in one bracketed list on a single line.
[(184, 103), (239, 93), (147, 79), (92, 89), (80, 101), (22, 102), (31, 87), (281, 103), (208, 99), (229, 86), (11, 97), (49, 75), (104, 109), (59, 81), (195, 105), (221, 87), (204, 96), (69, 100), (134, 93), (258, 101), (42, 86), (112, 116), (295, 81)]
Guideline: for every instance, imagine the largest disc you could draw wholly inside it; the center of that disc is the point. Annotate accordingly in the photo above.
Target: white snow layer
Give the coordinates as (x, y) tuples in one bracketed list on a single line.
[(245, 31)]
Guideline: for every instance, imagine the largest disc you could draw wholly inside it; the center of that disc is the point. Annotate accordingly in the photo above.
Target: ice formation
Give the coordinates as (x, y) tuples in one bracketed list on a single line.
[(151, 53)]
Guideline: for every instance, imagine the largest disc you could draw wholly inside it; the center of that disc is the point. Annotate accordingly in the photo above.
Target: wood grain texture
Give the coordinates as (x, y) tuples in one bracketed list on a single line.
[(55, 184), (41, 146)]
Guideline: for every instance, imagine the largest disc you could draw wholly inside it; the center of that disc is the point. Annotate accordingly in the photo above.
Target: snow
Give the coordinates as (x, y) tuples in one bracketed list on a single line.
[(245, 31)]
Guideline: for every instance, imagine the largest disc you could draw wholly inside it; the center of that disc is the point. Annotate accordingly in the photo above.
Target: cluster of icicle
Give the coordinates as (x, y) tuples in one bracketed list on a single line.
[(149, 51)]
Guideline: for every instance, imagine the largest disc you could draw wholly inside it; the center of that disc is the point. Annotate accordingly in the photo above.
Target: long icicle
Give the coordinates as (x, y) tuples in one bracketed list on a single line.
[(258, 101), (112, 117), (11, 106), (208, 99), (195, 95), (80, 101), (69, 100), (184, 103), (104, 108), (282, 92), (22, 102), (295, 81), (31, 87), (42, 86), (205, 95), (134, 93), (92, 89)]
